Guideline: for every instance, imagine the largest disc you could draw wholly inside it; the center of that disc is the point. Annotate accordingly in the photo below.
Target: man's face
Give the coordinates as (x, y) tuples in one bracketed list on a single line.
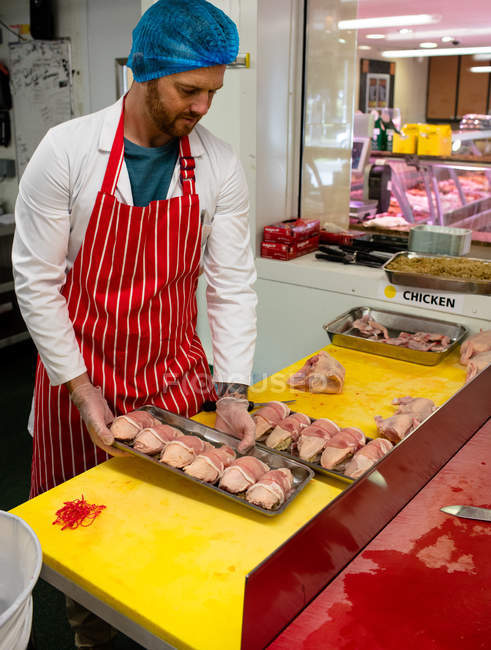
[(177, 102)]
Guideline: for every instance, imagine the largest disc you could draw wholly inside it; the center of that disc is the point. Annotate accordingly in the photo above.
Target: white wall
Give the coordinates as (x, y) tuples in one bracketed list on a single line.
[(99, 32)]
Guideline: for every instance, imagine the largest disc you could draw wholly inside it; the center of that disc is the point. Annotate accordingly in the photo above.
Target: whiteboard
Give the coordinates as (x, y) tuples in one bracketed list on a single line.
[(41, 80)]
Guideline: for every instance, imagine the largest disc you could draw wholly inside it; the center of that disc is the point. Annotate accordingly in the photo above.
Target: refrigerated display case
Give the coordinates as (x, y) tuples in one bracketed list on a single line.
[(437, 191)]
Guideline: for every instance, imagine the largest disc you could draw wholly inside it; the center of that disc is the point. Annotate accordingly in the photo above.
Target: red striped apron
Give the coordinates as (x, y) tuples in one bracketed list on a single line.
[(131, 296)]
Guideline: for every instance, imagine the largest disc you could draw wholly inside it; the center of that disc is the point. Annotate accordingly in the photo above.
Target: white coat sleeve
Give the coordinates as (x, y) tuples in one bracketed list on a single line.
[(230, 274), (39, 258)]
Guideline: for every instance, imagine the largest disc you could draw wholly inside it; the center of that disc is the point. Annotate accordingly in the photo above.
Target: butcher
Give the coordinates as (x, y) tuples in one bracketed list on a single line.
[(118, 213)]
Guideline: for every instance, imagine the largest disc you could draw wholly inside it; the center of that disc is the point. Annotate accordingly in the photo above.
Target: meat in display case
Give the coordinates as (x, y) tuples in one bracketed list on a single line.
[(439, 192)]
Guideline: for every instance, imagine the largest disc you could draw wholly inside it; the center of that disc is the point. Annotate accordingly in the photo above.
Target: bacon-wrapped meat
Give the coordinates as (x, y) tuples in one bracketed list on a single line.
[(364, 458), (320, 374), (342, 446), (396, 427), (243, 473), (183, 450), (269, 416), (209, 465), (420, 407), (152, 440), (314, 438), (287, 431), (125, 427), (272, 490)]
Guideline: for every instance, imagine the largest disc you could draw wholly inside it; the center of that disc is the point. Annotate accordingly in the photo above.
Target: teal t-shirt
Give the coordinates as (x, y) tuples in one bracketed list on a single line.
[(150, 170)]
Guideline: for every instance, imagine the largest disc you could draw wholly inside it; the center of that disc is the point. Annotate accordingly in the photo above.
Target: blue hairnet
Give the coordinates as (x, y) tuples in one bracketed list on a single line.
[(177, 35)]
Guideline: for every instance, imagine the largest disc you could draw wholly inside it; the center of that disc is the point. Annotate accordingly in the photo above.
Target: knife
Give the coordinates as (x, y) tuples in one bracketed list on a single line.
[(209, 405), (468, 512)]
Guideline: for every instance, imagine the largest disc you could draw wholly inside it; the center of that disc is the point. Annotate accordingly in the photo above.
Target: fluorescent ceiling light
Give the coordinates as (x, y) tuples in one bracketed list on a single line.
[(364, 47), (375, 36), (481, 68), (428, 45), (388, 21), (447, 39), (437, 33), (444, 51)]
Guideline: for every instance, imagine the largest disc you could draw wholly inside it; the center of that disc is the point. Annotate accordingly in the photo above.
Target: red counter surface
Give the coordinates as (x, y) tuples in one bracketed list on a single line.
[(423, 583)]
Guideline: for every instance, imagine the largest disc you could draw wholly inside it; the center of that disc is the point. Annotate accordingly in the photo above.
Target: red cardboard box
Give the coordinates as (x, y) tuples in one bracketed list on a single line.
[(291, 230), (279, 251)]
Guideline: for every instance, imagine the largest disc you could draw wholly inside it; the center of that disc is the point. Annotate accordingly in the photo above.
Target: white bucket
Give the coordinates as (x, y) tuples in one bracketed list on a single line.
[(20, 564)]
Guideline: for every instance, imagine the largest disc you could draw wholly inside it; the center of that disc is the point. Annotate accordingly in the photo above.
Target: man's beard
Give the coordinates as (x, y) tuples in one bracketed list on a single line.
[(162, 118)]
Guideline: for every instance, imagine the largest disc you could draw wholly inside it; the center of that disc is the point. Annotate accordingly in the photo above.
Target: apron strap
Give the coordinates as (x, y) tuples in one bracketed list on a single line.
[(187, 165), (116, 158)]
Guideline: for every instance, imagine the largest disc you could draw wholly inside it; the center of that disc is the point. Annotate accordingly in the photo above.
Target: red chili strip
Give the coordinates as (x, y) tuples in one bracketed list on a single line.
[(77, 513)]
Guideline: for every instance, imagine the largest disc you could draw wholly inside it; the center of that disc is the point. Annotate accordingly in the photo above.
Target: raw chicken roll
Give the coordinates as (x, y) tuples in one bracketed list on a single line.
[(272, 490), (209, 465), (314, 438), (287, 431), (125, 427), (320, 374), (342, 446), (367, 456), (182, 451), (152, 440), (269, 416), (243, 473)]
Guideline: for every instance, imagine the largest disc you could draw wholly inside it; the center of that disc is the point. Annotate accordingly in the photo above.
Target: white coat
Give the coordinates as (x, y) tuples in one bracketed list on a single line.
[(56, 196)]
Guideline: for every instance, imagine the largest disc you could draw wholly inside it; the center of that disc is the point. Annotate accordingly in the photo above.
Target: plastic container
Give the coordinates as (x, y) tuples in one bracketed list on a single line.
[(442, 240), (20, 564), (435, 140)]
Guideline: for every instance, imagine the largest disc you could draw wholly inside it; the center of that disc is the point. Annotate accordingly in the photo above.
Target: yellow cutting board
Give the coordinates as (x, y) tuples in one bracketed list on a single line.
[(173, 556)]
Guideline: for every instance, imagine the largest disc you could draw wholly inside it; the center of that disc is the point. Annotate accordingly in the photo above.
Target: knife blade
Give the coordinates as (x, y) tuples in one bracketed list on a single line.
[(209, 405), (468, 512)]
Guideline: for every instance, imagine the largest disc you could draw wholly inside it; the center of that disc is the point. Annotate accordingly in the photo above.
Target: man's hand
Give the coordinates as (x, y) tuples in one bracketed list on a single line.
[(233, 418), (96, 414)]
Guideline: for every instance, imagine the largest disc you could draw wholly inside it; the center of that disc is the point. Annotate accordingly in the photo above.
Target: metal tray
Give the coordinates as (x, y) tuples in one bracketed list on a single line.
[(482, 287), (341, 333), (301, 474)]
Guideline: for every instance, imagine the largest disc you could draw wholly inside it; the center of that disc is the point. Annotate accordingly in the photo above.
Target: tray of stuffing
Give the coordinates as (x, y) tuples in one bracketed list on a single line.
[(392, 334), (443, 272)]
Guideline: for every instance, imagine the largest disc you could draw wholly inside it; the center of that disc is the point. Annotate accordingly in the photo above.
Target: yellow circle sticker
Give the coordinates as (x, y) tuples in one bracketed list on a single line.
[(390, 291)]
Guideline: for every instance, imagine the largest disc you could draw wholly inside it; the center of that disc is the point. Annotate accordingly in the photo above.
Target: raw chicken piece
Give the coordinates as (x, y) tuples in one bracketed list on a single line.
[(477, 364), (420, 407), (341, 446), (370, 328), (152, 440), (366, 457), (320, 374), (182, 451), (287, 431), (125, 427), (243, 473), (269, 416), (272, 490), (396, 427), (475, 344), (314, 438), (209, 465)]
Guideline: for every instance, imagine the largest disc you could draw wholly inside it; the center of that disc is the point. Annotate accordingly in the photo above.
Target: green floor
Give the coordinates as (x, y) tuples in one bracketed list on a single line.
[(50, 627)]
